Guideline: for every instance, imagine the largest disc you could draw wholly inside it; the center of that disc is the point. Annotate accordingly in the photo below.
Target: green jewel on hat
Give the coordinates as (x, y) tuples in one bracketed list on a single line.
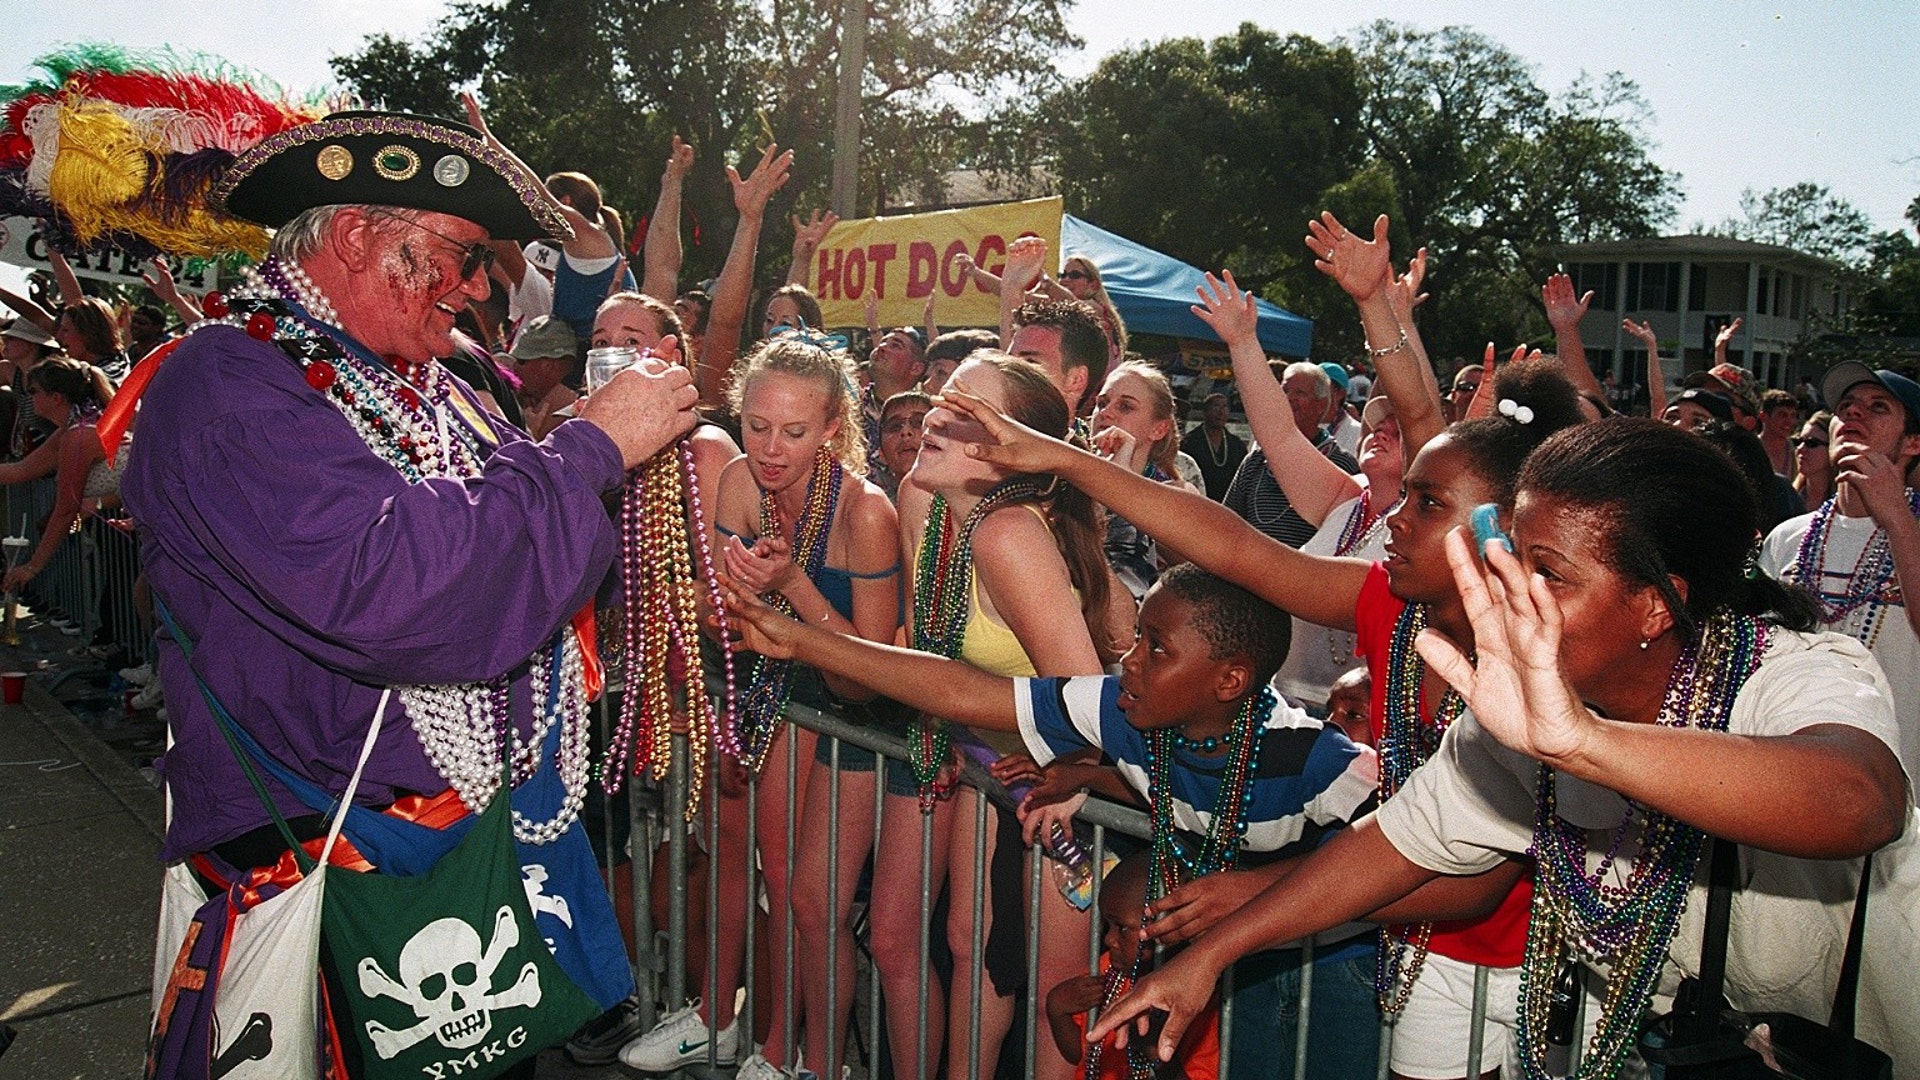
[(389, 159)]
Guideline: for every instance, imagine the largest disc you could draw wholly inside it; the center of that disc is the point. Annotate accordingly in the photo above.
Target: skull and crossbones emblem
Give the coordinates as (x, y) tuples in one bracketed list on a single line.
[(446, 977)]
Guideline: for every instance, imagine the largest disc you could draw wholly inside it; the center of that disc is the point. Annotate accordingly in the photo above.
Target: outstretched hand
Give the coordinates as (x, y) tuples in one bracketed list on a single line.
[(762, 629), (751, 195), (1643, 331), (1403, 291), (1725, 338), (1361, 267), (1230, 312), (1515, 688), (808, 234), (1009, 443), (679, 162), (1026, 258), (1180, 988), (1564, 310), (1194, 908), (159, 279)]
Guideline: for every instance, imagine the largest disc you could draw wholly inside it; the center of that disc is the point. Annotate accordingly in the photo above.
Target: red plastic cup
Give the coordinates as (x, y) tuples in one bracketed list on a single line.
[(13, 685)]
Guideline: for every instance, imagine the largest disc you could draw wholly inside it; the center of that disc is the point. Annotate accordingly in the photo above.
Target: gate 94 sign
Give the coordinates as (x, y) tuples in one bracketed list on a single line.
[(22, 244)]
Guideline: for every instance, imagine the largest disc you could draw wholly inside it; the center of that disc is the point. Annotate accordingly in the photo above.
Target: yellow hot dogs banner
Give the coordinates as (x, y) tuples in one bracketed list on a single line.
[(905, 259)]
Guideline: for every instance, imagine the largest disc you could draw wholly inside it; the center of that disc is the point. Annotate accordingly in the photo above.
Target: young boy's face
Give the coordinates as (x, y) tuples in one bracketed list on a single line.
[(1347, 707), (1120, 910), (1167, 677)]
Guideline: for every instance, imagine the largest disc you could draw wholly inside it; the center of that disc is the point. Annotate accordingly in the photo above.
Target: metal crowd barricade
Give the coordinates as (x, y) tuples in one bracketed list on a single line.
[(89, 583), (662, 966)]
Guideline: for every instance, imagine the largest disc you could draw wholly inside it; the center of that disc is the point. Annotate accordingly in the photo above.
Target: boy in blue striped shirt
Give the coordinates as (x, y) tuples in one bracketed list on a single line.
[(1203, 653)]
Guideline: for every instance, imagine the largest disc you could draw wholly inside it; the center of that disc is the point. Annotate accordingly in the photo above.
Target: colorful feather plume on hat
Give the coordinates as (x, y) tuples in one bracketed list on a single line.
[(117, 148)]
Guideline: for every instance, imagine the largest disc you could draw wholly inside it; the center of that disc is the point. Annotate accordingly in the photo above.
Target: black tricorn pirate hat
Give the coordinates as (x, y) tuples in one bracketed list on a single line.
[(389, 159)]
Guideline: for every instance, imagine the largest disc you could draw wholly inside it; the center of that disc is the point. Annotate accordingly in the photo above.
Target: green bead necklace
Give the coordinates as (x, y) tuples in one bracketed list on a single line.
[(942, 604)]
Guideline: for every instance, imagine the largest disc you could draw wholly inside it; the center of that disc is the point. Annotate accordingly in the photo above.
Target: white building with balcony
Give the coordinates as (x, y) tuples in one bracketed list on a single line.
[(1689, 287)]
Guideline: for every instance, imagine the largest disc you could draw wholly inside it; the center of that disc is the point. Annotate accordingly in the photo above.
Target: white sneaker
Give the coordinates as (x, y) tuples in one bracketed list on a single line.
[(680, 1039), (149, 696), (137, 676), (759, 1068)]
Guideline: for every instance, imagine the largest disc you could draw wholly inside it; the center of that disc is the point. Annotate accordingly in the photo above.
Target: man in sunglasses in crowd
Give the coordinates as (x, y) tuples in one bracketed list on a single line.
[(326, 514)]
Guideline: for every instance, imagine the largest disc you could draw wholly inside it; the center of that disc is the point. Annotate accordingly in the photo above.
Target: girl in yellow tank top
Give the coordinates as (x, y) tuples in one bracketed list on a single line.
[(1018, 556)]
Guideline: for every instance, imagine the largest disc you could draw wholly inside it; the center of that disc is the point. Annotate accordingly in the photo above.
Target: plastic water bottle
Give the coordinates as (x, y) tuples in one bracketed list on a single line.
[(1072, 868)]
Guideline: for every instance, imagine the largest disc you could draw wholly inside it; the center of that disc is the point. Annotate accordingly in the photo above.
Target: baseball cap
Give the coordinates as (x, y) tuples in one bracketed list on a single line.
[(543, 256), (1337, 373), (1715, 403), (545, 336), (1848, 374), (1731, 379)]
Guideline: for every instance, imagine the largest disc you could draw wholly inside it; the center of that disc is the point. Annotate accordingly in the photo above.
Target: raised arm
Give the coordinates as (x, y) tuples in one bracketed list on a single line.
[(985, 280), (1317, 589), (65, 279), (1656, 375), (1363, 269), (728, 316), (1724, 338), (160, 281), (951, 688), (1313, 484), (28, 310), (807, 238), (1025, 257), (1564, 312), (661, 273)]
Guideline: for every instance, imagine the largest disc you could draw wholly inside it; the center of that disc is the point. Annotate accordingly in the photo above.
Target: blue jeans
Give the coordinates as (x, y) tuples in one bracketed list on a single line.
[(1343, 1031)]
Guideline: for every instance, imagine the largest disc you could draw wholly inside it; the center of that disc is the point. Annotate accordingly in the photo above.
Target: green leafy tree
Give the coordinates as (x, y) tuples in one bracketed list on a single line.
[(1805, 217), (1214, 152), (1490, 171), (600, 86)]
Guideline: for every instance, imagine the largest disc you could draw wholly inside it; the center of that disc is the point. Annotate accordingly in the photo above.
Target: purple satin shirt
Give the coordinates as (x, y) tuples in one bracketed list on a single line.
[(309, 574)]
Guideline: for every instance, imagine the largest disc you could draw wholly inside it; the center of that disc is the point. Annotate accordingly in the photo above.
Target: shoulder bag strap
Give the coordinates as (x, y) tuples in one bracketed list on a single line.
[(1844, 997), (1722, 875), (226, 723)]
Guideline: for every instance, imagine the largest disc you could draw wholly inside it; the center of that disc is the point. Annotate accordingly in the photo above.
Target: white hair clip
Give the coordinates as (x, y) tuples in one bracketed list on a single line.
[(1513, 410)]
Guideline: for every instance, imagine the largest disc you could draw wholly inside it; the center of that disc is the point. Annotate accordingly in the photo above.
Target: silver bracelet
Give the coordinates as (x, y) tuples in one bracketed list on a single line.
[(1398, 346)]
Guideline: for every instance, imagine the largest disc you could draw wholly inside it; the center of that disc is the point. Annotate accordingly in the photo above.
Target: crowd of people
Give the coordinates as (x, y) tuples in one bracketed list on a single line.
[(1444, 681)]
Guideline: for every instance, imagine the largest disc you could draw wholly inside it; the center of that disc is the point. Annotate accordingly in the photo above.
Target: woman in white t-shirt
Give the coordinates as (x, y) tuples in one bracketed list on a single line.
[(1630, 666)]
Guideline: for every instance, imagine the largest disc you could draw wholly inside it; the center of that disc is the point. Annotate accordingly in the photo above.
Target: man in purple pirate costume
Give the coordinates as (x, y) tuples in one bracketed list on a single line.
[(327, 513)]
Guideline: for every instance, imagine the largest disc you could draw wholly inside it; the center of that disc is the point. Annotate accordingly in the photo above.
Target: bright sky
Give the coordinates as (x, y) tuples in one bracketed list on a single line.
[(1744, 94)]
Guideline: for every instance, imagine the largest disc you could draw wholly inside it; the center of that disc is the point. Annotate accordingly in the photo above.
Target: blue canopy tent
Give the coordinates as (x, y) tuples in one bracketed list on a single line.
[(1154, 292)]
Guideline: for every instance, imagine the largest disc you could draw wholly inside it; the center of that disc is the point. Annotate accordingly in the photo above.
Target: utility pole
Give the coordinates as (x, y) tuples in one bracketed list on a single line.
[(846, 113)]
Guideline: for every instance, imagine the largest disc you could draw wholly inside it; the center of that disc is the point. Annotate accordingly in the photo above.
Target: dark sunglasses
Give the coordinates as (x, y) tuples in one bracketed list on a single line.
[(1807, 442), (479, 255), (1075, 275), (1466, 388)]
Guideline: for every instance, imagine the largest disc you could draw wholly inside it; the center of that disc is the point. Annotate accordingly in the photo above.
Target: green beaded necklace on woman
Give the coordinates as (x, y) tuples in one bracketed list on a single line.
[(942, 604), (1578, 913)]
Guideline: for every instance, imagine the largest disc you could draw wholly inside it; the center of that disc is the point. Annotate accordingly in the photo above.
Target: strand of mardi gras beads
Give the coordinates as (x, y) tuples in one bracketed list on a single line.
[(772, 683), (1119, 980), (1233, 797), (660, 575), (1872, 586), (1628, 927), (942, 603), (1220, 850), (1405, 743)]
